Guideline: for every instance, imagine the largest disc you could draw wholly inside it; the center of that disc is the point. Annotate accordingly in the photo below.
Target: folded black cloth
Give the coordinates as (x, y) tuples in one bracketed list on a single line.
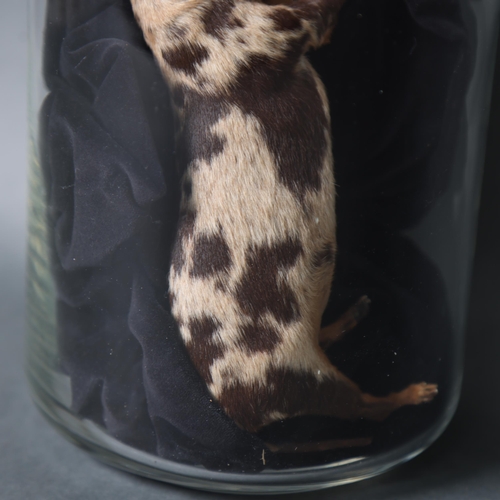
[(396, 73)]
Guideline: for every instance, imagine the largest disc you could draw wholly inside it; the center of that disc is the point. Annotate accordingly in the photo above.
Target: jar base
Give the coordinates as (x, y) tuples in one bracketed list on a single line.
[(105, 448)]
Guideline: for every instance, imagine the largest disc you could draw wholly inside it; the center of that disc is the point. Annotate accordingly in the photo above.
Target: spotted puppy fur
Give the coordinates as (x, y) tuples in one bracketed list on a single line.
[(255, 250)]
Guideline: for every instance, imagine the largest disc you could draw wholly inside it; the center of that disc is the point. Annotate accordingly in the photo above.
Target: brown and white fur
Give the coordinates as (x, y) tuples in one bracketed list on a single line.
[(254, 256)]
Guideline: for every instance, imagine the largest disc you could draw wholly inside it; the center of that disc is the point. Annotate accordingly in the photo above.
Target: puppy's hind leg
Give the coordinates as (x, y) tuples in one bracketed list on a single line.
[(376, 408), (339, 397), (349, 320)]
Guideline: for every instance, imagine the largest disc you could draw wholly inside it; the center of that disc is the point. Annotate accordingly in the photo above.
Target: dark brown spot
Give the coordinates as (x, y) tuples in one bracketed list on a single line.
[(255, 338), (211, 256), (203, 347), (176, 31), (323, 15), (184, 232), (285, 20), (198, 142), (202, 329), (290, 111), (178, 257), (186, 57), (213, 145), (221, 286), (324, 257), (219, 19), (290, 393), (261, 289), (237, 23)]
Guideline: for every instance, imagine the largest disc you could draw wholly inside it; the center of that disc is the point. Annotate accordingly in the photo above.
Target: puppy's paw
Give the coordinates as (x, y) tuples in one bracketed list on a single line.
[(416, 394)]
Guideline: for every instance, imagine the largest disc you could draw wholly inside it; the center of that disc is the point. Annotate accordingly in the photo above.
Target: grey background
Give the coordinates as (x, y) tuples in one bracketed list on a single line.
[(36, 463)]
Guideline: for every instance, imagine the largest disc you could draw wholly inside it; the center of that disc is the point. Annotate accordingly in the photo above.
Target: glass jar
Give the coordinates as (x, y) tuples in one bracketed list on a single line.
[(111, 361)]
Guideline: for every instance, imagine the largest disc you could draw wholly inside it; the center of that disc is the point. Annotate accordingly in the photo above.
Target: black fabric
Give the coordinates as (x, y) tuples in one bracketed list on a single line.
[(396, 73)]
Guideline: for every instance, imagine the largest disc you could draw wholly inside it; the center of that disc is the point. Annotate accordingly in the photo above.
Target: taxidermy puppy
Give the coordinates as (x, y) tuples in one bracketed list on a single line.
[(254, 255)]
